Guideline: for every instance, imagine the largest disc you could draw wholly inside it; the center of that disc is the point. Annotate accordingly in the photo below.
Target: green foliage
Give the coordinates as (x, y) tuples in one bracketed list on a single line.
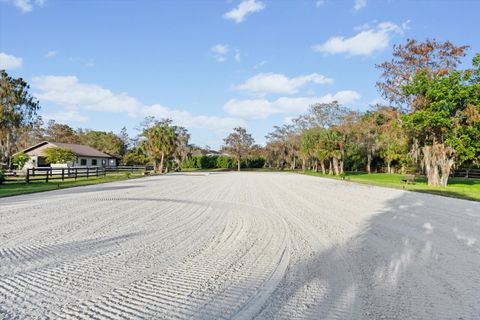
[(201, 162), (190, 163), (225, 162), (20, 159), (59, 155), (18, 109), (160, 143), (238, 143), (136, 156), (2, 175), (221, 162), (107, 142), (254, 162), (354, 159), (309, 142), (58, 132), (447, 111), (207, 162)]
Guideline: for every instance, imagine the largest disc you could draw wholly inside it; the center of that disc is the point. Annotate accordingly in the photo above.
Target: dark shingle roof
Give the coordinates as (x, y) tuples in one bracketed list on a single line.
[(78, 149), (82, 150)]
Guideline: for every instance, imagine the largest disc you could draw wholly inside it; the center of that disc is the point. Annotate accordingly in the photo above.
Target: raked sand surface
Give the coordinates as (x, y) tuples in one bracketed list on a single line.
[(238, 246)]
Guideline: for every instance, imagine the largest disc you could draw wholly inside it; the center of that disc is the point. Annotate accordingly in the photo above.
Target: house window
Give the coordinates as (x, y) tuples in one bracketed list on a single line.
[(104, 162), (94, 162), (83, 162)]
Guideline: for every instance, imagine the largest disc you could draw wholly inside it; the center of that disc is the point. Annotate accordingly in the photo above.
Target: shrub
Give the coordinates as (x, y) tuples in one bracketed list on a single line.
[(136, 156), (207, 162), (189, 163), (20, 159), (254, 162), (59, 155), (201, 162), (221, 162), (225, 162), (2, 175)]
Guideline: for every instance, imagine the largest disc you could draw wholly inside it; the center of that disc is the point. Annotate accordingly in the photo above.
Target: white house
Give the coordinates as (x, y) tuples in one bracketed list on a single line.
[(84, 155)]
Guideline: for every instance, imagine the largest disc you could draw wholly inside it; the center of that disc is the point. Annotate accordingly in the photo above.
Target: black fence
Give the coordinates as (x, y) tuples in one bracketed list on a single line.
[(467, 173), (48, 174)]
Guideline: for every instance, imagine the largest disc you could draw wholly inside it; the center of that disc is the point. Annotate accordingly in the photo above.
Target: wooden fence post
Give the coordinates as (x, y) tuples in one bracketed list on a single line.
[(63, 174), (46, 176), (76, 173), (87, 172), (27, 177)]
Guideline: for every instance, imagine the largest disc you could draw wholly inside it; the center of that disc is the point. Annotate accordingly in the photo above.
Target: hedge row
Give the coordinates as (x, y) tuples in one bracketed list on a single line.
[(221, 162)]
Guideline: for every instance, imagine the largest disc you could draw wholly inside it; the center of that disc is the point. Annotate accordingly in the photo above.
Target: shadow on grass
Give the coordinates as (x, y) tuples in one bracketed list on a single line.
[(468, 189), (446, 193), (464, 181)]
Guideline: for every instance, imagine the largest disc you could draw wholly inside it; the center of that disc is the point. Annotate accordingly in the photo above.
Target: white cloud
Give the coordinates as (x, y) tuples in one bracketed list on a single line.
[(68, 91), (187, 119), (244, 8), (27, 5), (65, 116), (10, 62), (263, 108), (359, 4), (50, 54), (343, 97), (320, 3), (79, 99), (366, 42), (252, 109), (219, 52), (264, 83)]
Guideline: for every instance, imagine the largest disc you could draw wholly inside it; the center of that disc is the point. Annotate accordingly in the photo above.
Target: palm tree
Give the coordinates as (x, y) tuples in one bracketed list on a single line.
[(161, 140)]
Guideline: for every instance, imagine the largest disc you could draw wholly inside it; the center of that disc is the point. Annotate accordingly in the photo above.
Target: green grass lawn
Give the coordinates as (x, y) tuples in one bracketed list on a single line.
[(457, 187), (12, 188)]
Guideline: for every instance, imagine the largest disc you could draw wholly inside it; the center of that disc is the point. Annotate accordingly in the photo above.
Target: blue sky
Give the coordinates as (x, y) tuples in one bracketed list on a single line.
[(212, 65)]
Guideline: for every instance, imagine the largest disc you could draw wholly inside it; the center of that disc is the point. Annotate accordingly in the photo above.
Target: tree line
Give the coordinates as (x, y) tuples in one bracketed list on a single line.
[(430, 125)]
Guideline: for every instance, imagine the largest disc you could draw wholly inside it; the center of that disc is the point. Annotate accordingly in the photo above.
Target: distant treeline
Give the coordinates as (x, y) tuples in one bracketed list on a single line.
[(221, 162)]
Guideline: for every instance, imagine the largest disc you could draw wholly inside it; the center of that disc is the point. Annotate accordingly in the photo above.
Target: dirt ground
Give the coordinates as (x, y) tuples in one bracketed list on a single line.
[(238, 246)]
